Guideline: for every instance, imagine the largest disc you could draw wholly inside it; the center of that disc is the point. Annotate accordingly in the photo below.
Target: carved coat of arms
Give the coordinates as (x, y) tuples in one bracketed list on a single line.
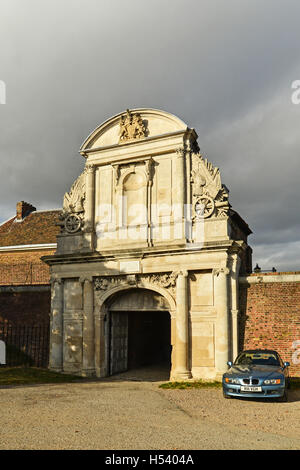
[(131, 127)]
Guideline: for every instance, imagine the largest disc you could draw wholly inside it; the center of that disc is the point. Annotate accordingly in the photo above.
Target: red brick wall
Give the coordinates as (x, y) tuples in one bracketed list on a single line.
[(270, 316), (24, 268)]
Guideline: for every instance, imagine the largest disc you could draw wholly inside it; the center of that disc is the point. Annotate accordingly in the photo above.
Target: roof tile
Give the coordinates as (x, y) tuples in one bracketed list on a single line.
[(37, 228)]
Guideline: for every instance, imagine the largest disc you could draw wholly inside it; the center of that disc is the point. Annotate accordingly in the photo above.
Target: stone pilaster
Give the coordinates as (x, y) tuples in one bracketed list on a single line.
[(179, 195), (88, 333), (56, 326), (182, 371), (89, 198), (101, 353), (222, 323)]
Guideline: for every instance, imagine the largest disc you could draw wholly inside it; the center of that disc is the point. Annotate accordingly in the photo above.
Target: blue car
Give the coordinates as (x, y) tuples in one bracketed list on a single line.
[(257, 373)]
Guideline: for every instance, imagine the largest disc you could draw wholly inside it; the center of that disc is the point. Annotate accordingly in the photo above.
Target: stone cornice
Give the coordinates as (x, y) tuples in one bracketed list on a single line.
[(228, 246), (149, 146)]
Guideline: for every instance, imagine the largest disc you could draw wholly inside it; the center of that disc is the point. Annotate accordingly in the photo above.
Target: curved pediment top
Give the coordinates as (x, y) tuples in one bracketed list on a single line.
[(133, 125)]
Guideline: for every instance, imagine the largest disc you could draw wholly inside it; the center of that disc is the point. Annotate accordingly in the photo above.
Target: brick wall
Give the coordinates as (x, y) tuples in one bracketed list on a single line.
[(270, 315), (30, 256), (24, 268), (24, 287), (25, 307)]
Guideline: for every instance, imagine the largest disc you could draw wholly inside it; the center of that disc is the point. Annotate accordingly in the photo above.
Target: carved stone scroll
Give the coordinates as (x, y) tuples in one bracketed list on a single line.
[(71, 218), (210, 197)]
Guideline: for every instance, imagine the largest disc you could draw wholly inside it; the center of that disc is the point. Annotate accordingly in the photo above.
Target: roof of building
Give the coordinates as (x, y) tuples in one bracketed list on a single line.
[(39, 227)]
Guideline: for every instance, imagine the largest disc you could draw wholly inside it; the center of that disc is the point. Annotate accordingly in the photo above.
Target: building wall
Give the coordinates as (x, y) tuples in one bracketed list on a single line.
[(270, 315), (24, 287), (24, 267), (25, 307)]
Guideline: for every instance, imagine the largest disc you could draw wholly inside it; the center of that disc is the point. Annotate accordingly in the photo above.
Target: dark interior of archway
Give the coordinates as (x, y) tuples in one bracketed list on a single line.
[(149, 339)]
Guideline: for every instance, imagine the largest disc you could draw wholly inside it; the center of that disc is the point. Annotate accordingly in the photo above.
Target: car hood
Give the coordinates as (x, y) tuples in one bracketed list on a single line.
[(254, 370)]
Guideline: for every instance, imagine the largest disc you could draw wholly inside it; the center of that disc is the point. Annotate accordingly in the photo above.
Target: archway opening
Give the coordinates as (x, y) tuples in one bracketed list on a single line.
[(149, 339), (139, 333)]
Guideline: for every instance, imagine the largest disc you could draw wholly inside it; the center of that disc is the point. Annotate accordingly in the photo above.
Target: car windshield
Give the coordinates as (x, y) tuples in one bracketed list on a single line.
[(257, 358)]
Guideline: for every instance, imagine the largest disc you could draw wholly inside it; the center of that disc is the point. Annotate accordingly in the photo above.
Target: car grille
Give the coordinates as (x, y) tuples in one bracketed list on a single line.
[(250, 381)]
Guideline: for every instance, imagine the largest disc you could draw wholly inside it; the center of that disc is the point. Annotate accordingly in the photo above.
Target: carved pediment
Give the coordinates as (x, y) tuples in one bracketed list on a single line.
[(132, 126)]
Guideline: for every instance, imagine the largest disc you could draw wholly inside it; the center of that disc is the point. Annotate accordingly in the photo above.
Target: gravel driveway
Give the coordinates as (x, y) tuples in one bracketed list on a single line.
[(129, 414)]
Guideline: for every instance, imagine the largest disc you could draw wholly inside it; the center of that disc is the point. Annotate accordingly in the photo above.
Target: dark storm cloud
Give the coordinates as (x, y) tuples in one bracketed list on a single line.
[(224, 67)]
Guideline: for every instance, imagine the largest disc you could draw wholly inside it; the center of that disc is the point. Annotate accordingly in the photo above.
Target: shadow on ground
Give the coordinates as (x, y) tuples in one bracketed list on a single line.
[(157, 373)]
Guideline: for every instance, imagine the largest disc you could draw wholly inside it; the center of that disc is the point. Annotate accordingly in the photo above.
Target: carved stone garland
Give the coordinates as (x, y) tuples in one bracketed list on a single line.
[(165, 280)]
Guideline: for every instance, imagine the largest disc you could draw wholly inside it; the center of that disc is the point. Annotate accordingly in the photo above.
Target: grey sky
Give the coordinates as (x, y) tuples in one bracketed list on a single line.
[(225, 67)]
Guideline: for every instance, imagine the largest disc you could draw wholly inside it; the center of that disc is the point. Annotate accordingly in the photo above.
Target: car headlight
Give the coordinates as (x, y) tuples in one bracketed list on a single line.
[(272, 382), (231, 381)]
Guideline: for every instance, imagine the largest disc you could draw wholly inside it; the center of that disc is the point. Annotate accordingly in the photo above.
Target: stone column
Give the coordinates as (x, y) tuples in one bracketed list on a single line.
[(56, 326), (89, 198), (173, 345), (88, 333), (182, 327), (149, 173), (236, 263), (222, 323)]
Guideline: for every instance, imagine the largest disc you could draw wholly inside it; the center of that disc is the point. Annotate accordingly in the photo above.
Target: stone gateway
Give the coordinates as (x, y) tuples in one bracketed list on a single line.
[(149, 255)]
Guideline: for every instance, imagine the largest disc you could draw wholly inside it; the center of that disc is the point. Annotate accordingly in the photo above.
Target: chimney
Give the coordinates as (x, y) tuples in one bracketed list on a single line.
[(24, 209)]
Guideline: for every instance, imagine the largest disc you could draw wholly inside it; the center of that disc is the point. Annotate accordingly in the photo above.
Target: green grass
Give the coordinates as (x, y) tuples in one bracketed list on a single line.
[(294, 384), (32, 375), (189, 385)]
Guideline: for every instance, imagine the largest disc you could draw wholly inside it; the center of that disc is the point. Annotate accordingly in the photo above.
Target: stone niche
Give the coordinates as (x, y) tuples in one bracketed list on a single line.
[(148, 212)]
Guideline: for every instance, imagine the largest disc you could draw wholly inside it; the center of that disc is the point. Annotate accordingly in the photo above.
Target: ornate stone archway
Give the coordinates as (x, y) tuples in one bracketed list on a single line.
[(190, 247), (107, 287)]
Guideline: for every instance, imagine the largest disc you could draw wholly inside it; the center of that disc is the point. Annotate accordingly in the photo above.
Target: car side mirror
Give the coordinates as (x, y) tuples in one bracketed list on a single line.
[(229, 363), (286, 364)]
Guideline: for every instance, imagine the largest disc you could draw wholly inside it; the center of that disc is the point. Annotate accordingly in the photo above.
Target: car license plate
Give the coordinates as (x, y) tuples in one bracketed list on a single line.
[(250, 389)]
